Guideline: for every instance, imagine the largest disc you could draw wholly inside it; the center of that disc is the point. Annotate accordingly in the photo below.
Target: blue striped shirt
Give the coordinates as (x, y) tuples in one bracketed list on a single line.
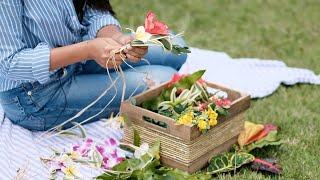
[(29, 29)]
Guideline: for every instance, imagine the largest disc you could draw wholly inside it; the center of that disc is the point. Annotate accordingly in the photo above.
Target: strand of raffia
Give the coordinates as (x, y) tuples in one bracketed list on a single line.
[(113, 85), (121, 73), (118, 70), (113, 53)]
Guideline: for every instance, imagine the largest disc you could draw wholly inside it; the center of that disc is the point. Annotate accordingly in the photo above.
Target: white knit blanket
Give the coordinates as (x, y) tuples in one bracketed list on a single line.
[(20, 152)]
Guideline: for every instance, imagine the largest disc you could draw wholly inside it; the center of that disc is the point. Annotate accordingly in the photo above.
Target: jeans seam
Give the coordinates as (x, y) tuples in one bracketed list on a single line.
[(79, 109)]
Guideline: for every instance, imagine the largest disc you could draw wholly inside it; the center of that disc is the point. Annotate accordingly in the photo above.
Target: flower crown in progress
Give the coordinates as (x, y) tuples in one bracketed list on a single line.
[(157, 33)]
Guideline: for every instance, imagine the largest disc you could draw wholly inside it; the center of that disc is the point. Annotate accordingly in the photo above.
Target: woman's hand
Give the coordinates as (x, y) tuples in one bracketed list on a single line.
[(133, 54), (100, 49)]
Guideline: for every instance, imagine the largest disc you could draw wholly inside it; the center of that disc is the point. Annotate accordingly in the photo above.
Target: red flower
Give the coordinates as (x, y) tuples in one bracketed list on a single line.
[(224, 103), (175, 78), (153, 26)]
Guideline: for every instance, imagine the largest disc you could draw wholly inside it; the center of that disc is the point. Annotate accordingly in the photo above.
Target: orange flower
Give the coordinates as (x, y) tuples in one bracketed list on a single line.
[(153, 26)]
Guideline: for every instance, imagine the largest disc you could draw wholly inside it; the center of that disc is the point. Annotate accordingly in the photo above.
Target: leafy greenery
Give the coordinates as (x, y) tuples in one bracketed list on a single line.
[(273, 29), (184, 83), (148, 167)]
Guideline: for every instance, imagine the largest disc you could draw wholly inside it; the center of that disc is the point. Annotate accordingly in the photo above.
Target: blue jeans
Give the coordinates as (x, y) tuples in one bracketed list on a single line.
[(39, 107)]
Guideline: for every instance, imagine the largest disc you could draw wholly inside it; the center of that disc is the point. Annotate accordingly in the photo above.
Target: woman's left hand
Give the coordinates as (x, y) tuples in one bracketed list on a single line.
[(132, 53)]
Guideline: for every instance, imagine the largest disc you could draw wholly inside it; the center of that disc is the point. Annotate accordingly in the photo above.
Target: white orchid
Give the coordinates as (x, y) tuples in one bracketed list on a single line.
[(142, 150), (142, 35)]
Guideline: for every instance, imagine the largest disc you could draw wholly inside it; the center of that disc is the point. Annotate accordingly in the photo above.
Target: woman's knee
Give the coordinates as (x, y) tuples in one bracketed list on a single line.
[(155, 73)]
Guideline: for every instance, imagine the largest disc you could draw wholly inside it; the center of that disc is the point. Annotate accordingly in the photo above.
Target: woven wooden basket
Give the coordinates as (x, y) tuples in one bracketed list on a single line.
[(184, 147)]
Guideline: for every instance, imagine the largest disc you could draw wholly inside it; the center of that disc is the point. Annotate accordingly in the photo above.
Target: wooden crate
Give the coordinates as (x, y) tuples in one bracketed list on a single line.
[(185, 147)]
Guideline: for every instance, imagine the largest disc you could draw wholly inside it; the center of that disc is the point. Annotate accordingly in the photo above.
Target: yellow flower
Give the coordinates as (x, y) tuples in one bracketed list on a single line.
[(202, 124), (142, 35), (74, 155), (71, 172), (186, 119), (212, 115), (213, 122), (121, 119)]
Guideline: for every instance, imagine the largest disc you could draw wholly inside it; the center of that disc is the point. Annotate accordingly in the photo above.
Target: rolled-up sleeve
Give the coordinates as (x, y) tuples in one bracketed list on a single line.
[(97, 19), (17, 61)]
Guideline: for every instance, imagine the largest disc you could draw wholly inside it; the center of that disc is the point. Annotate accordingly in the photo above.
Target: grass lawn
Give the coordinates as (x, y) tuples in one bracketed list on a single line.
[(270, 29)]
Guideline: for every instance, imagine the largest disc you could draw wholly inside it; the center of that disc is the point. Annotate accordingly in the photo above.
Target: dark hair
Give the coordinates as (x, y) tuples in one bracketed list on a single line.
[(102, 5)]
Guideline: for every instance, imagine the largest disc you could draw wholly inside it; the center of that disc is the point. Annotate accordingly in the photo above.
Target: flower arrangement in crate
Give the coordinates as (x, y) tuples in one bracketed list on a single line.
[(188, 101)]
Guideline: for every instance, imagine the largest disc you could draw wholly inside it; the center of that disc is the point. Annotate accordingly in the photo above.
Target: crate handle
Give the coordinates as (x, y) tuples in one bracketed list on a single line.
[(155, 122)]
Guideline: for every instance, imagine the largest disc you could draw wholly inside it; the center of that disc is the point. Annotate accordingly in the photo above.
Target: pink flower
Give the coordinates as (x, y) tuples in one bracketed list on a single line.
[(112, 142), (202, 106), (153, 26), (177, 77), (224, 103), (84, 148), (201, 81), (109, 161), (100, 149)]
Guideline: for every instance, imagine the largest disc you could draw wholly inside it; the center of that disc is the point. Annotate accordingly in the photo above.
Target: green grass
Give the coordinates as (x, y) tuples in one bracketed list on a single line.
[(270, 29)]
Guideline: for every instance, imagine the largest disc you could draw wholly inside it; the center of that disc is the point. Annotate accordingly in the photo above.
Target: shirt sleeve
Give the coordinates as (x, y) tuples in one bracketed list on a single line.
[(17, 61), (95, 20)]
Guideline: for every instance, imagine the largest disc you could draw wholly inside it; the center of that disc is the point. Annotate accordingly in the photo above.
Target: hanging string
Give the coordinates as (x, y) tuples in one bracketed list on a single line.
[(119, 71)]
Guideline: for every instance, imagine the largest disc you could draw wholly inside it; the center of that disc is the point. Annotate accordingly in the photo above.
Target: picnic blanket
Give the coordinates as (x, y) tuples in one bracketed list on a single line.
[(20, 154)]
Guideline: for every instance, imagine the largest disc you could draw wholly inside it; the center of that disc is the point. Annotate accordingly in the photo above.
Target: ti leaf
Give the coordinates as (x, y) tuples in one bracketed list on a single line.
[(269, 165), (228, 162), (270, 140), (166, 43), (187, 81)]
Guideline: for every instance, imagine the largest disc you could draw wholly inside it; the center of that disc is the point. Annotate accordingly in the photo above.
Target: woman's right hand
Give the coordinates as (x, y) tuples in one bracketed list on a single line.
[(99, 49)]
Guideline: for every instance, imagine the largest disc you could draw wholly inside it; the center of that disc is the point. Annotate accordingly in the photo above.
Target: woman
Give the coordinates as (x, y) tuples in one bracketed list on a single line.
[(53, 61)]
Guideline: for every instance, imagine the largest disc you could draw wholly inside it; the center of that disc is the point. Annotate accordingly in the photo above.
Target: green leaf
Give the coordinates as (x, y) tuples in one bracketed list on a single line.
[(228, 162), (180, 108), (136, 138), (155, 150), (270, 140), (96, 159), (213, 106), (166, 43), (178, 50), (187, 81), (152, 104), (137, 42), (165, 173), (222, 112)]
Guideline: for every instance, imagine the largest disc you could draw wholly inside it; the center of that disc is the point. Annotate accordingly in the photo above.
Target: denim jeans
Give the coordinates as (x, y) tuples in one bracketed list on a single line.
[(39, 107)]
